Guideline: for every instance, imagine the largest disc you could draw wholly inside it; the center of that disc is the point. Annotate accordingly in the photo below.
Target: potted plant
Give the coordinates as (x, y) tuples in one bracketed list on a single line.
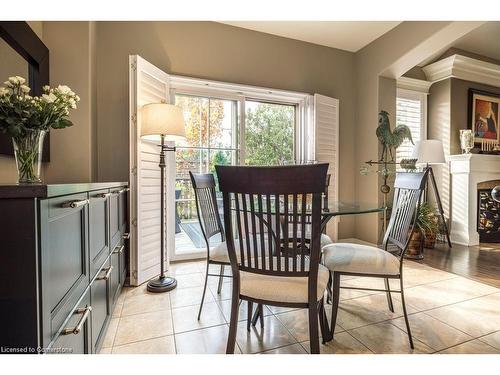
[(27, 119), (426, 228)]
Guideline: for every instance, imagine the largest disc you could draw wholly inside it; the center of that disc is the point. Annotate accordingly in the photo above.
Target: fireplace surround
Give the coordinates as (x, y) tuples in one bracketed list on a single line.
[(470, 175)]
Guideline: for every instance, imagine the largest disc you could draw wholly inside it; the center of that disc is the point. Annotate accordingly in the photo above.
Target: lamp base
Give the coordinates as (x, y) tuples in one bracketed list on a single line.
[(162, 284)]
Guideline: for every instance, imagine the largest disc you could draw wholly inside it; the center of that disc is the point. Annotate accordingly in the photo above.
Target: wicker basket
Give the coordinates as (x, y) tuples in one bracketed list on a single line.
[(415, 246)]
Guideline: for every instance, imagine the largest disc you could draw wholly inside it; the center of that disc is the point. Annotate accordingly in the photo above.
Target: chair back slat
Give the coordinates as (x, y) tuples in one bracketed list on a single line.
[(206, 205), (266, 210), (407, 197)]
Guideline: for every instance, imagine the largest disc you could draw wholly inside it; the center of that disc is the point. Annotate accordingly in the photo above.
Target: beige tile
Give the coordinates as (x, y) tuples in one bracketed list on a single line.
[(136, 290), (366, 310), (117, 311), (471, 347), (274, 335), (161, 345), (110, 333), (476, 317), (225, 294), (279, 309), (145, 302), (183, 268), (186, 318), (493, 339), (430, 296), (143, 326), (289, 349), (343, 343), (211, 340), (387, 338), (421, 274), (297, 322), (105, 351), (190, 280), (189, 296), (432, 332), (225, 306)]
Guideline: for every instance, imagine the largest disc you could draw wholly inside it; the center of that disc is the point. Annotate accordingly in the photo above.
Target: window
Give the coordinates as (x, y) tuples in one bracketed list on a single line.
[(269, 133), (231, 125), (411, 110)]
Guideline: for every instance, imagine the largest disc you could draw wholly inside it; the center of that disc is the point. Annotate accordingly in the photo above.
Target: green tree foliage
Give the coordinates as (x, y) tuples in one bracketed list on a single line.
[(269, 134)]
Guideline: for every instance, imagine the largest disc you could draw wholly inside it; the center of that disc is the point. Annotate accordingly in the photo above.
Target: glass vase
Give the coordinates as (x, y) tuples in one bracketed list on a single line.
[(28, 152), (466, 140)]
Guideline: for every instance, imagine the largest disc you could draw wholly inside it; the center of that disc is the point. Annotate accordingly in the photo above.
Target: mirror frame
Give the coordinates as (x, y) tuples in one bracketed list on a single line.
[(20, 36)]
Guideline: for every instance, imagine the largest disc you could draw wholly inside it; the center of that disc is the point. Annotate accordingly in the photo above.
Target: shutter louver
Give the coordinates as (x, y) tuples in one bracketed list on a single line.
[(326, 139), (148, 84), (409, 112)]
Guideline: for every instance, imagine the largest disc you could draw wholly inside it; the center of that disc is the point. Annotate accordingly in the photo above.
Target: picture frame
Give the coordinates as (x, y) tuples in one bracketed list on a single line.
[(484, 116)]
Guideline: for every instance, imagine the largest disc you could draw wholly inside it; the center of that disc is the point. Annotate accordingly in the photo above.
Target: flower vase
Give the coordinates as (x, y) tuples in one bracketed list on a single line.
[(28, 152)]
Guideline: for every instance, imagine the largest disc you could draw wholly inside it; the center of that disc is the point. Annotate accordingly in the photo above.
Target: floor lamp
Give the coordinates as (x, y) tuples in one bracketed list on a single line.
[(430, 152), (163, 122)]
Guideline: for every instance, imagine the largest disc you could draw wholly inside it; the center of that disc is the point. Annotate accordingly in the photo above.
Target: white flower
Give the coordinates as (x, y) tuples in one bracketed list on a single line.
[(77, 98), (13, 80), (25, 88), (49, 98), (63, 89), (46, 88), (3, 91), (8, 84), (21, 80), (72, 103)]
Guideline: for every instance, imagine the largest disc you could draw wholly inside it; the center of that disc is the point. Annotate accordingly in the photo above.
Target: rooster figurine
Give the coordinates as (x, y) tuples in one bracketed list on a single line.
[(391, 139)]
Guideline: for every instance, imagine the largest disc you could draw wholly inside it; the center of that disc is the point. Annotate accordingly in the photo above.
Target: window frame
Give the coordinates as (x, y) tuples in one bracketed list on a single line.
[(303, 127), (422, 98)]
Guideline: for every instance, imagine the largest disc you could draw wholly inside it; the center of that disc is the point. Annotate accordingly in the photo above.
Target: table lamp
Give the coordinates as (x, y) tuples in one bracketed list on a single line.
[(431, 152), (162, 122)]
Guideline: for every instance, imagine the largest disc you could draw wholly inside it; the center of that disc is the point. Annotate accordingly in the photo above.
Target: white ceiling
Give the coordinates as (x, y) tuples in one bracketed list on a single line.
[(484, 41), (347, 35)]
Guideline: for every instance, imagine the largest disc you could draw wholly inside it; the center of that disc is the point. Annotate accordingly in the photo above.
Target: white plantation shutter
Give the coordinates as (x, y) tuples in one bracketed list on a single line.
[(410, 111), (148, 84), (326, 140)]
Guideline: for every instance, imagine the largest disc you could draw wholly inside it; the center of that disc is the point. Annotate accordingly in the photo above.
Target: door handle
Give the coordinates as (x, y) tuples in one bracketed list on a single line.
[(106, 275), (75, 204)]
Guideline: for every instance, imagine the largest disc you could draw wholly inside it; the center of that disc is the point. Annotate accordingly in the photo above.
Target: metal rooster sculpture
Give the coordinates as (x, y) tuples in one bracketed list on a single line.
[(390, 139)]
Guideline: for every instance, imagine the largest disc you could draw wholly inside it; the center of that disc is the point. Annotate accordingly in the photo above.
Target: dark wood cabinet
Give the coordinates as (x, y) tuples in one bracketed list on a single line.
[(63, 262)]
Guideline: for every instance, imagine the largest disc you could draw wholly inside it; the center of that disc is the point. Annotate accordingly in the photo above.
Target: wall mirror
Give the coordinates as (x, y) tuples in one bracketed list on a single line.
[(22, 53)]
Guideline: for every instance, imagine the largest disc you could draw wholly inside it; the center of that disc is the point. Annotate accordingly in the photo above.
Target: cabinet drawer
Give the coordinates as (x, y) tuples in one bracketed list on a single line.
[(114, 220), (100, 307), (64, 258), (98, 229), (75, 335)]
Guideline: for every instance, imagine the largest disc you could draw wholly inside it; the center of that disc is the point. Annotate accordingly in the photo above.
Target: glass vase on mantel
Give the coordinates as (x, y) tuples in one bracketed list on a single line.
[(28, 153), (466, 140)]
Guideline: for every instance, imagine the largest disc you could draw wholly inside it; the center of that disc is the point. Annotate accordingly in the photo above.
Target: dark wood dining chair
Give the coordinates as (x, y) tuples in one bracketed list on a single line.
[(211, 225), (269, 267), (370, 261)]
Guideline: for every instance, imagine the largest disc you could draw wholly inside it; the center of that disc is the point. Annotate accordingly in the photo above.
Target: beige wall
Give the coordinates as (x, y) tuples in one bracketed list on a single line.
[(218, 52), (391, 55), (72, 63)]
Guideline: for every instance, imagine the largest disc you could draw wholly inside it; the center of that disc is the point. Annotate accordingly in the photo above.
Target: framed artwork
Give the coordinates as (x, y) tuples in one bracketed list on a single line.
[(484, 120)]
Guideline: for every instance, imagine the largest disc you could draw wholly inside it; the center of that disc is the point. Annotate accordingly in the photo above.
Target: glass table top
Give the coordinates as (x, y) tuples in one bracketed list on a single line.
[(330, 208)]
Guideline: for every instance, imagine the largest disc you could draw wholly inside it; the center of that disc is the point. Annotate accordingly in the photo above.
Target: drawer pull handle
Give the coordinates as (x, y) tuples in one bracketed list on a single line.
[(126, 236), (75, 204), (76, 330), (121, 191), (119, 250), (103, 195), (106, 275)]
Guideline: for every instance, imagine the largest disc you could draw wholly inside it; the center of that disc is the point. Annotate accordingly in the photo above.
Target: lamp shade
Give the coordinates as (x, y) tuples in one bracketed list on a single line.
[(162, 119), (429, 151)]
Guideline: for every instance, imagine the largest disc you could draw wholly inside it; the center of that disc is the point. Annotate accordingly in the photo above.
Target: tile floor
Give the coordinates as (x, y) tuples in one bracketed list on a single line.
[(448, 314)]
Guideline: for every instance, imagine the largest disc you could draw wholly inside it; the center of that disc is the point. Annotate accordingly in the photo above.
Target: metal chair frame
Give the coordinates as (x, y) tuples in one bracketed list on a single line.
[(407, 199)]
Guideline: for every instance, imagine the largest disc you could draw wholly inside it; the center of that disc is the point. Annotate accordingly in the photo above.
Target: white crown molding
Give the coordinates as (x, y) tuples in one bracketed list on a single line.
[(462, 67), (413, 84)]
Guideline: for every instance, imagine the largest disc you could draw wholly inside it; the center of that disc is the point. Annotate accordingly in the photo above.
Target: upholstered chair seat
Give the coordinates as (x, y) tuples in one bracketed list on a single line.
[(281, 289), (356, 258)]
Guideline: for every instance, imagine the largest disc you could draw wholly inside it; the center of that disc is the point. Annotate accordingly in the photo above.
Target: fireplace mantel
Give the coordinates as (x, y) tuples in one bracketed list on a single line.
[(467, 170)]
